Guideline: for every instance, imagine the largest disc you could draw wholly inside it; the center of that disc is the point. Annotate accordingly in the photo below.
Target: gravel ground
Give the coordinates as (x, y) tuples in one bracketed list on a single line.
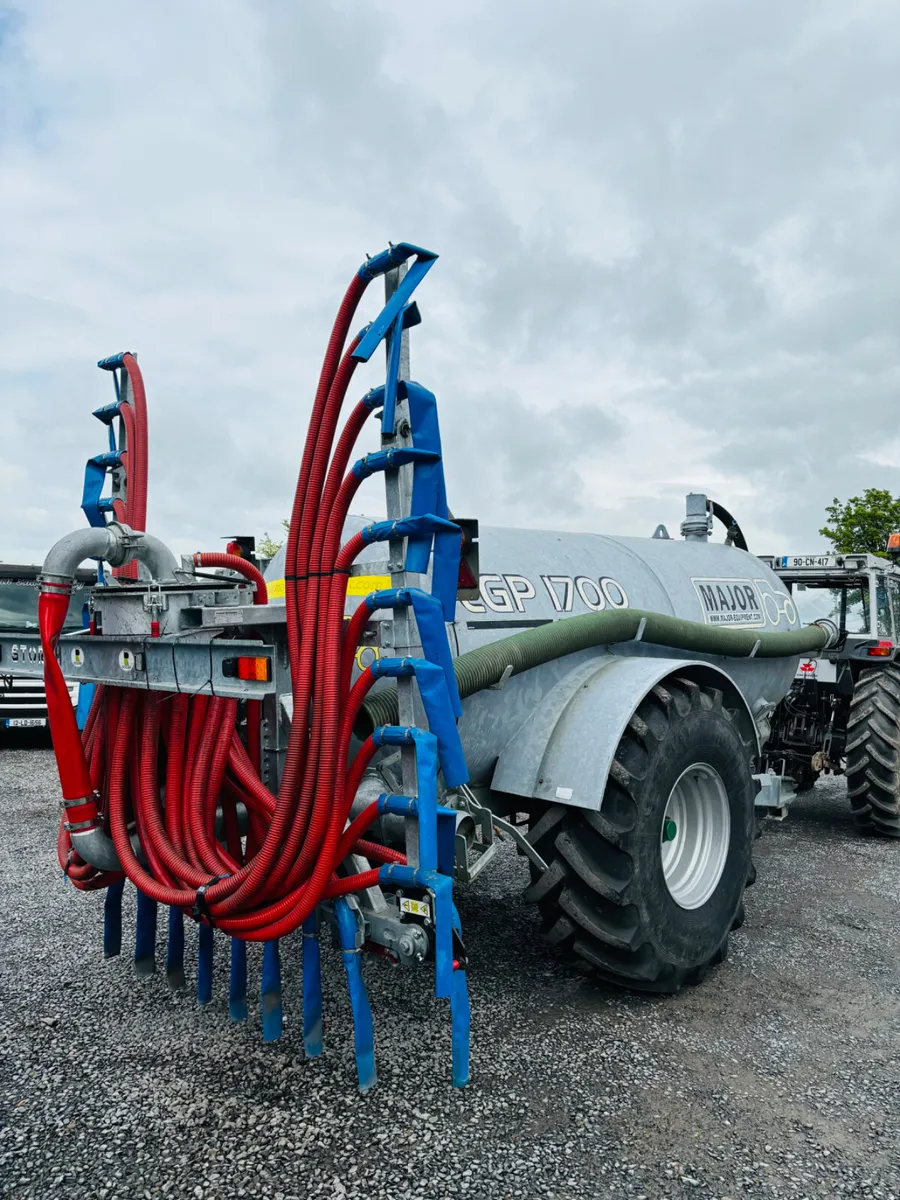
[(777, 1077)]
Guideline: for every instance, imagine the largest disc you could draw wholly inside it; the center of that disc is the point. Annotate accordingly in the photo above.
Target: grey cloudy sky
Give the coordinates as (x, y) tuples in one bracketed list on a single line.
[(668, 235)]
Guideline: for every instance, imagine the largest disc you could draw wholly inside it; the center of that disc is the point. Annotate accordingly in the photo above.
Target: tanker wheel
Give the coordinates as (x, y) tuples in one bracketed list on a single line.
[(647, 890), (873, 752)]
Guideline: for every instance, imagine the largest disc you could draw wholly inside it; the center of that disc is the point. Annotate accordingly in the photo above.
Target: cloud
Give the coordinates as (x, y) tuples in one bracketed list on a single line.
[(668, 236)]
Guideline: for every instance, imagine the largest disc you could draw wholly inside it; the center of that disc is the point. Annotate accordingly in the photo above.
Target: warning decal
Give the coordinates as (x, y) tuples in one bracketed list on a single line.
[(734, 602)]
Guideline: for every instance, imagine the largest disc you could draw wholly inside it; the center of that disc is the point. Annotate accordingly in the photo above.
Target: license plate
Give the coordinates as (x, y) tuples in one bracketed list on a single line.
[(26, 722), (809, 560)]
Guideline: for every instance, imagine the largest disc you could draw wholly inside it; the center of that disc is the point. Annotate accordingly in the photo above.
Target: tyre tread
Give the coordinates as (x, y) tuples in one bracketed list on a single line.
[(585, 897), (873, 752)]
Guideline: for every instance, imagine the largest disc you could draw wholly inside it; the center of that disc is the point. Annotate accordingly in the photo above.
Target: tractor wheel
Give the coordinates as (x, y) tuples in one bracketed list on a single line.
[(873, 752), (647, 889)]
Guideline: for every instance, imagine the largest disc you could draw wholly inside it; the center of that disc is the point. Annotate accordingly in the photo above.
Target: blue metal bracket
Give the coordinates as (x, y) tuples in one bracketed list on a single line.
[(387, 460), (426, 774), (432, 630), (113, 362), (204, 963), (92, 505), (460, 1017), (379, 265), (107, 413), (447, 537), (312, 989), (441, 887), (237, 981), (112, 920), (363, 1033), (270, 992), (432, 685), (405, 319), (145, 936), (175, 950), (407, 806)]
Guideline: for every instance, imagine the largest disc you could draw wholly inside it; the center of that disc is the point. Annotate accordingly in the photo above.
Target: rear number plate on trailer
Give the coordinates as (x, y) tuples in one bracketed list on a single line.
[(26, 722)]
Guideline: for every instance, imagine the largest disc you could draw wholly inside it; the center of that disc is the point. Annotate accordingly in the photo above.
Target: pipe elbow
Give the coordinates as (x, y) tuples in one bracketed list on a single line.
[(70, 551), (117, 544), (96, 848), (156, 557)]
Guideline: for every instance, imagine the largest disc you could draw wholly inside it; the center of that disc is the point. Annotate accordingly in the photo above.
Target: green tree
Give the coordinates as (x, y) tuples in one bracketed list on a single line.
[(267, 547), (862, 524)]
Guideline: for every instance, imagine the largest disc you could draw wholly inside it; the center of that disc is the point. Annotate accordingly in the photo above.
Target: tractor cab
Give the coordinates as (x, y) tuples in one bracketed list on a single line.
[(860, 593)]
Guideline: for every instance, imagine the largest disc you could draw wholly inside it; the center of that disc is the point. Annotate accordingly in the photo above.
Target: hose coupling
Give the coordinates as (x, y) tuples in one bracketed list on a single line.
[(831, 631), (81, 814)]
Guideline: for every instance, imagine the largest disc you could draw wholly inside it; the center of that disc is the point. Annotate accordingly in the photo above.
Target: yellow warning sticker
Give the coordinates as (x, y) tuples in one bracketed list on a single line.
[(418, 908), (361, 585), (358, 585)]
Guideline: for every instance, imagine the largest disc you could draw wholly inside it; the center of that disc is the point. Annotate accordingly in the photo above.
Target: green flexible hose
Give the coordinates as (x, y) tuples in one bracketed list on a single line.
[(483, 667)]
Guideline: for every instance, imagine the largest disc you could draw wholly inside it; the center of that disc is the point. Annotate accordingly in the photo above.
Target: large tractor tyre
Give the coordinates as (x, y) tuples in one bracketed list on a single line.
[(873, 752), (647, 889)]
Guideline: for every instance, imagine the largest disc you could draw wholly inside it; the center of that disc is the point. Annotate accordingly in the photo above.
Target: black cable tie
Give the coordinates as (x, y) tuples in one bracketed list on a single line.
[(200, 911)]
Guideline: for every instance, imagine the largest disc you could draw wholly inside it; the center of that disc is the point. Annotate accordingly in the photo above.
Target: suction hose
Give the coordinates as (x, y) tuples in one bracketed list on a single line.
[(485, 666)]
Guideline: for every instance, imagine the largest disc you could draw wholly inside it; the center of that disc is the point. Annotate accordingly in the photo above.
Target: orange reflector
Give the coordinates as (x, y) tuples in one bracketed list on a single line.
[(254, 668), (882, 650)]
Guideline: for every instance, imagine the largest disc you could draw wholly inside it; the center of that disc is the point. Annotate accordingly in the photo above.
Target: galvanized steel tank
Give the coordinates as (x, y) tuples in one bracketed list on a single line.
[(529, 577)]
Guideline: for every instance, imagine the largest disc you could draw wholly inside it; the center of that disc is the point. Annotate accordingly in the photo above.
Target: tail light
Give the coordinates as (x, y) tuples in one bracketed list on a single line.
[(255, 667), (467, 579), (880, 650)]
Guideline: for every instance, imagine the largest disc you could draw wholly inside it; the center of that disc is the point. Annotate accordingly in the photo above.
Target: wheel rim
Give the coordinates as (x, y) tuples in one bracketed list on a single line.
[(694, 836)]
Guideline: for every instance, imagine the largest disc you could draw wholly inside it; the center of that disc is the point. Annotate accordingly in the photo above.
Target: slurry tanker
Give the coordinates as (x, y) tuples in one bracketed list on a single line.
[(339, 744)]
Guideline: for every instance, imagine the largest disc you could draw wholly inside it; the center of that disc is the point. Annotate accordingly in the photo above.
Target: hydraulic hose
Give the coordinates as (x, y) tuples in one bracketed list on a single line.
[(483, 667), (234, 562), (735, 533)]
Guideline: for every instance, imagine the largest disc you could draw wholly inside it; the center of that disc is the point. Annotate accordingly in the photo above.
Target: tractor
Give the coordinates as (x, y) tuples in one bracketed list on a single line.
[(842, 712)]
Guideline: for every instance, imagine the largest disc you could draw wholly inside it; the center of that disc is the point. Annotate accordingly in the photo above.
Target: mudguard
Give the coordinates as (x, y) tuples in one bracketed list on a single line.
[(563, 752)]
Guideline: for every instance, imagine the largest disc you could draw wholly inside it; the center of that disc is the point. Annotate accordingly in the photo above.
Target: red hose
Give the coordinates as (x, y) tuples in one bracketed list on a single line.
[(297, 840), (134, 419), (235, 563)]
